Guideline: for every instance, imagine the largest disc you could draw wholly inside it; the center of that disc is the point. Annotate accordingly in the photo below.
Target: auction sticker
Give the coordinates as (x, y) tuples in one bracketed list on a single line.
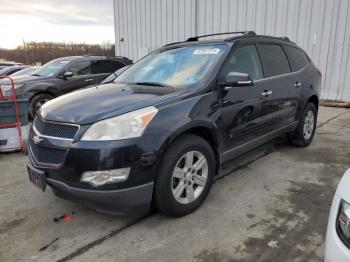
[(208, 51)]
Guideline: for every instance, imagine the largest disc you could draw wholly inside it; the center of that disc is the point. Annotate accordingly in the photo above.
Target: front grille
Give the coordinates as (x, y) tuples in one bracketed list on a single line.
[(47, 155), (63, 131)]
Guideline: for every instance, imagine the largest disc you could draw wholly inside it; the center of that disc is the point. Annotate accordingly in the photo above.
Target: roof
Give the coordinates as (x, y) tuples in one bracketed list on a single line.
[(236, 36)]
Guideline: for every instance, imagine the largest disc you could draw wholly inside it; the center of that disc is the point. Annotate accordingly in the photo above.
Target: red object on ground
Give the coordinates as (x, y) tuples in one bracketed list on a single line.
[(12, 98), (68, 218)]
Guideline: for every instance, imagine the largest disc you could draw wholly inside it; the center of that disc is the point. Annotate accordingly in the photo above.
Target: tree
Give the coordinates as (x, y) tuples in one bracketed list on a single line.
[(43, 52)]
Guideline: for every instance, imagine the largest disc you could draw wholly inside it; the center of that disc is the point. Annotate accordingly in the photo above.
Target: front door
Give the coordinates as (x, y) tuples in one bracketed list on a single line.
[(82, 76), (242, 106)]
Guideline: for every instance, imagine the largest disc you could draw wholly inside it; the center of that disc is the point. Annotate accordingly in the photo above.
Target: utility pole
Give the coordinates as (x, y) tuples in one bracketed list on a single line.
[(25, 52)]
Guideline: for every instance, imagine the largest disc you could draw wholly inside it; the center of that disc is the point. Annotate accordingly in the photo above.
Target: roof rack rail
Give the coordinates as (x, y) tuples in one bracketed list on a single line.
[(92, 55), (195, 38), (284, 38), (174, 43)]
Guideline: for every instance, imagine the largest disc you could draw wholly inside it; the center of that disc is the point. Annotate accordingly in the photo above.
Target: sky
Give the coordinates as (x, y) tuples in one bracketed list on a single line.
[(81, 21)]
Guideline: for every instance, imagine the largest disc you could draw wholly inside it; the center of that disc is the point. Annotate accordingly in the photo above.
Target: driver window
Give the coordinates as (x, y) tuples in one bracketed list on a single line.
[(80, 68), (245, 60)]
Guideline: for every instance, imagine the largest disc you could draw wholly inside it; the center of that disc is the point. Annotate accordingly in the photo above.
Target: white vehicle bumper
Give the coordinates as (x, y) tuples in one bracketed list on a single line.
[(335, 250)]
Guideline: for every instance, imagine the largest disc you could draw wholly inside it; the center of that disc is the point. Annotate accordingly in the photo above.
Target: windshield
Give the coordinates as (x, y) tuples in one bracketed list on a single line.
[(178, 67), (51, 68)]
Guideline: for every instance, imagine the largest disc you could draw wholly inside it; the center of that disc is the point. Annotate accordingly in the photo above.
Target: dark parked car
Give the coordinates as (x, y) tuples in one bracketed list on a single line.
[(64, 75), (114, 75), (4, 64), (160, 132), (7, 71), (25, 71)]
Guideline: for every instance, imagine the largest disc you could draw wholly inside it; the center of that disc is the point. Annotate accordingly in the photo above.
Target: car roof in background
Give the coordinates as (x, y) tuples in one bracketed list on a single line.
[(9, 68), (9, 63)]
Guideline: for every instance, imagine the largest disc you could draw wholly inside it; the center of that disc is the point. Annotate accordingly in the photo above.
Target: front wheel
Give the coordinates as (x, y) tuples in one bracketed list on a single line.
[(37, 102), (185, 176), (305, 131)]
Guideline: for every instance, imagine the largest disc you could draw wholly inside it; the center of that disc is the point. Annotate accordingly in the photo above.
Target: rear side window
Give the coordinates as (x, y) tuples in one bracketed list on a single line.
[(106, 66), (117, 65), (245, 60), (297, 58), (13, 71), (274, 60)]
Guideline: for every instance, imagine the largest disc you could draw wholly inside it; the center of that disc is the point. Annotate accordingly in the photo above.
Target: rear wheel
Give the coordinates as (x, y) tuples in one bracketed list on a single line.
[(37, 102), (185, 176), (305, 131)]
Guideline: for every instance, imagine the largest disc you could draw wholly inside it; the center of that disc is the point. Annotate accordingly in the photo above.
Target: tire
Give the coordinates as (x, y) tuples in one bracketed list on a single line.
[(305, 131), (166, 185), (36, 102)]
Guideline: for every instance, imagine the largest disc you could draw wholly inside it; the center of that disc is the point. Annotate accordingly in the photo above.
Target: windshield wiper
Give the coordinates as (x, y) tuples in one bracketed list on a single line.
[(152, 84)]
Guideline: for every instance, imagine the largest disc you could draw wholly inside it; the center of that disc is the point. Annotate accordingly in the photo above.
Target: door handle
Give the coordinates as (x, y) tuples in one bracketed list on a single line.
[(89, 80), (297, 84), (266, 93)]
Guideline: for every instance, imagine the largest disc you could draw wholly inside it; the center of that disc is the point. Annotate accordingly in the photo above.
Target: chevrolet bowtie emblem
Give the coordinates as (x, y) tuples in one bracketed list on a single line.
[(37, 139)]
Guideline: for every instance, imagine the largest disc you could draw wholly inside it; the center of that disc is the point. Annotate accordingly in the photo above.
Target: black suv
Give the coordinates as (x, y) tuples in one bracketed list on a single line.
[(63, 75), (159, 133)]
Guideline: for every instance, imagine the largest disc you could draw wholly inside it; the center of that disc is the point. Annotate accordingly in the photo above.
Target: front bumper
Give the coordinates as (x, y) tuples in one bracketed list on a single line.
[(134, 200), (335, 250), (133, 196)]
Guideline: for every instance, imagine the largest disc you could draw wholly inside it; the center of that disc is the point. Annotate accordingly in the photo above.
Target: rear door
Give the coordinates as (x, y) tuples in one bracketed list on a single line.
[(104, 67), (82, 76), (302, 77), (278, 102)]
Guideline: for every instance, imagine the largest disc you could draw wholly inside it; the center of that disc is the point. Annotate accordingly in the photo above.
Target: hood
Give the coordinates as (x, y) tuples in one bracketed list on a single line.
[(96, 103), (24, 79), (28, 79)]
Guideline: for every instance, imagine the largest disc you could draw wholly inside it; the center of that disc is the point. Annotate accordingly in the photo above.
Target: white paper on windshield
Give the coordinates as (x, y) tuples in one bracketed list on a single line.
[(209, 51)]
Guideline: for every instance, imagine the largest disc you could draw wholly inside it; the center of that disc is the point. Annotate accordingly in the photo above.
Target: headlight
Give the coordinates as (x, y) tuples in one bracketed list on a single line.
[(129, 125), (7, 89), (343, 222), (99, 178)]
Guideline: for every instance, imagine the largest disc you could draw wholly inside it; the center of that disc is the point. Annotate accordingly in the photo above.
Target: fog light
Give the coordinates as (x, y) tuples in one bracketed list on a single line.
[(99, 178)]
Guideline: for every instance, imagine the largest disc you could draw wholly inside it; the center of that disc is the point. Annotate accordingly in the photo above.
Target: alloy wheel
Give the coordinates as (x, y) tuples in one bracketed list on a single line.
[(40, 103), (189, 177), (309, 125)]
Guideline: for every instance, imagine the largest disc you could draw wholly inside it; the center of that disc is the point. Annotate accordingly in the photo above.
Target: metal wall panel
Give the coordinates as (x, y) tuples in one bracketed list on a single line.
[(144, 25), (321, 27)]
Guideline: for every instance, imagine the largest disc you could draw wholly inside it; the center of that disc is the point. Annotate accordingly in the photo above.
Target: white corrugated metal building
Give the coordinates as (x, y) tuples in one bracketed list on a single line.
[(321, 27)]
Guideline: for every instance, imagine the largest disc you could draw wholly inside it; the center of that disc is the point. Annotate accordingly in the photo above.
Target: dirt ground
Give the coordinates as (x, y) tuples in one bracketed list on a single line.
[(271, 205)]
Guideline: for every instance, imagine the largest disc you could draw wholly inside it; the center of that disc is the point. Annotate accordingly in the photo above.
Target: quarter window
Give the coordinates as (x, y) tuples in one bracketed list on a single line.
[(106, 66), (80, 68), (245, 60), (274, 60), (297, 58)]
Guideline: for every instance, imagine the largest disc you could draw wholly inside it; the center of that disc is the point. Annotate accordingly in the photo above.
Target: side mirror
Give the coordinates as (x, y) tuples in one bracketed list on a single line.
[(234, 79), (67, 75)]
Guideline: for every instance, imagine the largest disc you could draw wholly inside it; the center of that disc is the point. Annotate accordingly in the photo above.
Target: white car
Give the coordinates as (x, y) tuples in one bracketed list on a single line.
[(338, 230)]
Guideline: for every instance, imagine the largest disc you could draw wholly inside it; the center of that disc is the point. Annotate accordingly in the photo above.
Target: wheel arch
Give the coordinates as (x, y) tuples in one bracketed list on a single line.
[(314, 99), (205, 131), (43, 92)]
